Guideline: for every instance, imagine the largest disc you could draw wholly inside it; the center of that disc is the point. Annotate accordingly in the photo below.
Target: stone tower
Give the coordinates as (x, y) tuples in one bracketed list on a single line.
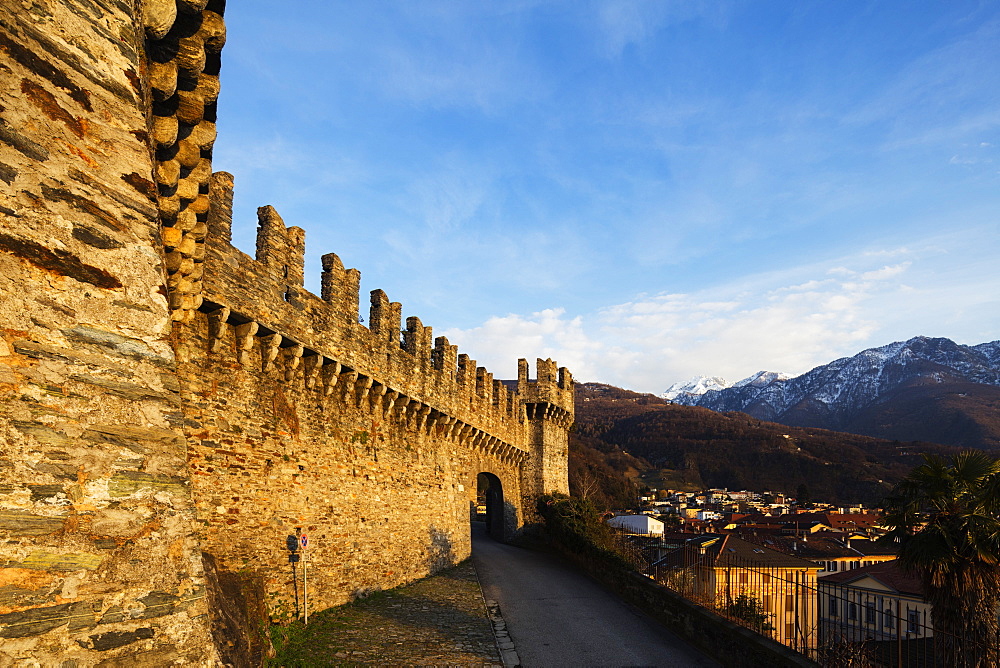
[(548, 402)]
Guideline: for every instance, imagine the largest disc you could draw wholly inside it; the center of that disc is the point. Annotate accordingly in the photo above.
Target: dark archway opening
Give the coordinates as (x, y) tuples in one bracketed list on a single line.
[(489, 499)]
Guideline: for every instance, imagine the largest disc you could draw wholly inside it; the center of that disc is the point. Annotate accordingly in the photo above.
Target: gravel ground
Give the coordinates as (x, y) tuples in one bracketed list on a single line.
[(437, 621)]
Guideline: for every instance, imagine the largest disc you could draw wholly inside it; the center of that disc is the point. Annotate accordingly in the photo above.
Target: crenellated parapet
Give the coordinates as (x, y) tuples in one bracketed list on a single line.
[(400, 372), (550, 395), (340, 288), (282, 249)]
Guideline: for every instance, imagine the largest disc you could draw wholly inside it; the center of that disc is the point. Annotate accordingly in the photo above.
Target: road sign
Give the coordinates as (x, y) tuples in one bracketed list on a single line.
[(304, 541)]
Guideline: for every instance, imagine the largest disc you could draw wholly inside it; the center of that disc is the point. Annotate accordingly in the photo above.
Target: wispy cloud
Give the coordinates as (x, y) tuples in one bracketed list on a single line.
[(773, 322), (648, 189), (942, 96), (633, 22)]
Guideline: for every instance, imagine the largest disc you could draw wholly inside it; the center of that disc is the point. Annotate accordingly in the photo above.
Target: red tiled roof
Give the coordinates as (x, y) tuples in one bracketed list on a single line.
[(889, 573), (874, 548), (734, 551), (825, 548)]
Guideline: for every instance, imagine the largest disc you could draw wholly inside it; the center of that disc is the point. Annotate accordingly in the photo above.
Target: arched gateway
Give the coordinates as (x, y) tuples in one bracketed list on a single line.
[(495, 515)]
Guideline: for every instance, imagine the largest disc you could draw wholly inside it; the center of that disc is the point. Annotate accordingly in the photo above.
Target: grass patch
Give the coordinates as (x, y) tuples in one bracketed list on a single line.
[(425, 622)]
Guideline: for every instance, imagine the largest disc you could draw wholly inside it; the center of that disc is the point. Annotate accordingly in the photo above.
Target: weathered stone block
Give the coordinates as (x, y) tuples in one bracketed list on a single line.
[(36, 621), (127, 483), (23, 523), (43, 560), (171, 237), (158, 17), (102, 642)]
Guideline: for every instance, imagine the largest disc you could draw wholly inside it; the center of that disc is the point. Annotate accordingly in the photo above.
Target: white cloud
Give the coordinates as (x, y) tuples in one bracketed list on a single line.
[(547, 333), (886, 272), (788, 321)]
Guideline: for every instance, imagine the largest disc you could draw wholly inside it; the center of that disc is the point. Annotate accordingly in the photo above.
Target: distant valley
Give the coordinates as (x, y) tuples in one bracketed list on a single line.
[(847, 430), (623, 438)]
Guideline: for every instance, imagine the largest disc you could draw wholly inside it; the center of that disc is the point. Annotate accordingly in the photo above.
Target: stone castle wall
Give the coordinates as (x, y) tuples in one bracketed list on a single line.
[(98, 556), (365, 437), (171, 408)]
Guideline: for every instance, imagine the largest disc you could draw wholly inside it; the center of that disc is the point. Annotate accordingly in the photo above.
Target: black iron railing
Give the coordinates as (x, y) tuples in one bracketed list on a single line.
[(837, 625)]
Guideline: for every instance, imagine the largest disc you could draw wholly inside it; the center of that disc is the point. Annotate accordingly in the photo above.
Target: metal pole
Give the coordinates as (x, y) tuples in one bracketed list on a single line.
[(295, 586), (795, 606)]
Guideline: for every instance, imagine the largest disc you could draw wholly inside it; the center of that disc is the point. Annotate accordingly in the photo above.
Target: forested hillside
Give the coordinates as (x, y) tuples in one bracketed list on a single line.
[(621, 435)]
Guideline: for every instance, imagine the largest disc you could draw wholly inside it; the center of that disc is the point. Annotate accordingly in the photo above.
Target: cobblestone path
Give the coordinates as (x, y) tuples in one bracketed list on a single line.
[(437, 621)]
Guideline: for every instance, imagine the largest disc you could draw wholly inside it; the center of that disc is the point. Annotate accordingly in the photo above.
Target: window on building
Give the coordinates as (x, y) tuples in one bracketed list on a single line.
[(790, 630), (852, 610), (870, 613), (888, 621), (744, 577), (790, 603), (833, 606), (913, 621)]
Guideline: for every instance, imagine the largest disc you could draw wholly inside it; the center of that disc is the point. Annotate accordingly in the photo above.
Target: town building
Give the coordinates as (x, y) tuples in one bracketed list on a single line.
[(879, 602), (719, 570), (637, 524)]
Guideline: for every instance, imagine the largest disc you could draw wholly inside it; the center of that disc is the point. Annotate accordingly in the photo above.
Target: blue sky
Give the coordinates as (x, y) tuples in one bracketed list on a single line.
[(643, 191)]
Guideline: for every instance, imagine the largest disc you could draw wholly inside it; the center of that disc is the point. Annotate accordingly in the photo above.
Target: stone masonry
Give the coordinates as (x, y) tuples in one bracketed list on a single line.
[(172, 408)]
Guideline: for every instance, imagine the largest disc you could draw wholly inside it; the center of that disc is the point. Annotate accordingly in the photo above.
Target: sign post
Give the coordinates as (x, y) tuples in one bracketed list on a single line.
[(304, 541)]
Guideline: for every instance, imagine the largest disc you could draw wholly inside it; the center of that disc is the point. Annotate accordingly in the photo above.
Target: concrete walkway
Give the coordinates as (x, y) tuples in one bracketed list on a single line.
[(556, 616)]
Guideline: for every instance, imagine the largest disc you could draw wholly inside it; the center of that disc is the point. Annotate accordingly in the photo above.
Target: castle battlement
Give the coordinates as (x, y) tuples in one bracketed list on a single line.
[(550, 395), (319, 340)]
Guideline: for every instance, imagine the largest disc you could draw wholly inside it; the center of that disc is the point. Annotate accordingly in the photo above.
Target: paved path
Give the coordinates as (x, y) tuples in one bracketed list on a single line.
[(559, 617)]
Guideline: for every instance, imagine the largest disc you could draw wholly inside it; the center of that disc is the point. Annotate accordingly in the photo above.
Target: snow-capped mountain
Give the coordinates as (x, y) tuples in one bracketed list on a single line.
[(690, 391), (991, 350), (886, 391), (762, 378)]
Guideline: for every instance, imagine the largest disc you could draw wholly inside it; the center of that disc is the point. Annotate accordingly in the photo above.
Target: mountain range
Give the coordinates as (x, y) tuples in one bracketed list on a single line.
[(623, 438), (926, 389)]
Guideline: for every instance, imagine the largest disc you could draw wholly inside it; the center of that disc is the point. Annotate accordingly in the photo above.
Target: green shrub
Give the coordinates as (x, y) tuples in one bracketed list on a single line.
[(575, 524), (750, 612)]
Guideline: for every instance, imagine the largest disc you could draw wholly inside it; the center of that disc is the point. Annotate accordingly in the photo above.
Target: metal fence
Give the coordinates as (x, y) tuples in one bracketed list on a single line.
[(834, 624)]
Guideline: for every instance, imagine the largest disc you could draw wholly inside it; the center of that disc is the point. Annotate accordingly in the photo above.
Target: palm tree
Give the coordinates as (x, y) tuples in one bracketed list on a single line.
[(946, 518)]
